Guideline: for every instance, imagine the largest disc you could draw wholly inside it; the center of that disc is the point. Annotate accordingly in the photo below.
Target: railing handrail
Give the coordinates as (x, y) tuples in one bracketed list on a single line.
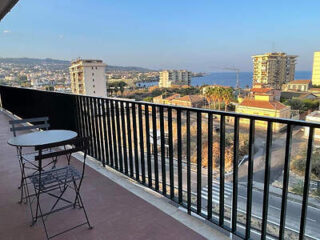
[(192, 109), (119, 130)]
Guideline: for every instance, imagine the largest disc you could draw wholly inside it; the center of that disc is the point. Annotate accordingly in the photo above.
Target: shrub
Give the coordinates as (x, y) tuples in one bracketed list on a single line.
[(298, 187)]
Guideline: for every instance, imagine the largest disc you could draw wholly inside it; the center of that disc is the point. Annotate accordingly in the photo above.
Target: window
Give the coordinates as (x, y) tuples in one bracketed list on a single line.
[(92, 79), (92, 68), (94, 86), (92, 74), (96, 67), (94, 91)]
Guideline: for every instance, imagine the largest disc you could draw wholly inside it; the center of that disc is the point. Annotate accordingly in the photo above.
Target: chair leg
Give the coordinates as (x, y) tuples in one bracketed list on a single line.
[(28, 198), (22, 182), (78, 200), (84, 211), (42, 219)]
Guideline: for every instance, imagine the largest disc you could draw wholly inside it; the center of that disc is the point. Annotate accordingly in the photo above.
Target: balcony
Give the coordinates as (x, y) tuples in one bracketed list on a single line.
[(117, 208), (235, 178)]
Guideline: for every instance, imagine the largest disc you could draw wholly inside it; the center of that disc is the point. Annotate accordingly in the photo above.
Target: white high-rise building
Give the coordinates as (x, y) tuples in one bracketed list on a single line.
[(88, 77), (169, 78)]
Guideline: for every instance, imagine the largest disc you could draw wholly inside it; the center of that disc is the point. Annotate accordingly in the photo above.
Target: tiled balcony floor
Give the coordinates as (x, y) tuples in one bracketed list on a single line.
[(114, 212)]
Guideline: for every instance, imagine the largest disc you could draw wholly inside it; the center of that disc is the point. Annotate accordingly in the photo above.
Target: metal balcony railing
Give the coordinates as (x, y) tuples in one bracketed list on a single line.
[(183, 162)]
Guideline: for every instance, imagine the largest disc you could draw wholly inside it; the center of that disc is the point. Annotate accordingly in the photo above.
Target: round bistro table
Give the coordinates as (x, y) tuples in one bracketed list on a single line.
[(39, 138)]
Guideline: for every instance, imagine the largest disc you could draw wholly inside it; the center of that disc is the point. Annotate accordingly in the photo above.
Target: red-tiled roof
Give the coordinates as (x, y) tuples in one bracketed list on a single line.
[(174, 96), (263, 104), (261, 90), (190, 98), (300, 81)]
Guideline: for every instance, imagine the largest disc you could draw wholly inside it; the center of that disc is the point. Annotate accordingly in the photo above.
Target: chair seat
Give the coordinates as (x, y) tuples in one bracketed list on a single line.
[(55, 177)]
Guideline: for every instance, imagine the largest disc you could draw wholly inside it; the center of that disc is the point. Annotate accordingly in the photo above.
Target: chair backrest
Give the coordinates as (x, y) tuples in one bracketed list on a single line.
[(75, 145), (40, 122), (59, 149)]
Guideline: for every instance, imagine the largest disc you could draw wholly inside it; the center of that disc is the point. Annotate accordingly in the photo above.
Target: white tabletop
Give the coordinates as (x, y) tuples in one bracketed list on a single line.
[(41, 138)]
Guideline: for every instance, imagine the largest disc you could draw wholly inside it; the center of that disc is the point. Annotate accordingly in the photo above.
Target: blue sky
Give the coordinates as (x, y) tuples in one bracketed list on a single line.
[(202, 35)]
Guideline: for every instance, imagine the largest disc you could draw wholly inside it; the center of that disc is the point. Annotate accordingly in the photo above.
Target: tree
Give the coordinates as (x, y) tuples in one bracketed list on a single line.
[(302, 105), (227, 97), (214, 96), (208, 95), (219, 94), (148, 99), (116, 87), (295, 104)]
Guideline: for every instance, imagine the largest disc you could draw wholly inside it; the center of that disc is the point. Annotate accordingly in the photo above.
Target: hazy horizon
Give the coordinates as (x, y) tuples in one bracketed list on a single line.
[(158, 69), (201, 37)]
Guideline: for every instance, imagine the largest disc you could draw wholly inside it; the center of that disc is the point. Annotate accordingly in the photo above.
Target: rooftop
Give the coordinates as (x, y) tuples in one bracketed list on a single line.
[(263, 104), (261, 90), (190, 98), (300, 81)]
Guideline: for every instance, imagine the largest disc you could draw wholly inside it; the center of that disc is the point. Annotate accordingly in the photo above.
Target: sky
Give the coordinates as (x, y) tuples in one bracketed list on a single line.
[(198, 35)]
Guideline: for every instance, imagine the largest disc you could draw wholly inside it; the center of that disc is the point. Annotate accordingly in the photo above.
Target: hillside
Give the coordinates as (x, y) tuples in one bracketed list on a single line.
[(50, 61)]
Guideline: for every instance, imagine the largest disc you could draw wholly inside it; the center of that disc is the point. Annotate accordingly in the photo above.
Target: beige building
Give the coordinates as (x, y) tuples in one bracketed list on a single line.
[(186, 101), (273, 69), (263, 104), (190, 101), (168, 100), (297, 86), (88, 77), (316, 69), (169, 78), (313, 117)]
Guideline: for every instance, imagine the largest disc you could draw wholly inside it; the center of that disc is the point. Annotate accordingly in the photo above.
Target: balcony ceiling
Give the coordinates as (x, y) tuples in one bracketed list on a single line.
[(5, 7)]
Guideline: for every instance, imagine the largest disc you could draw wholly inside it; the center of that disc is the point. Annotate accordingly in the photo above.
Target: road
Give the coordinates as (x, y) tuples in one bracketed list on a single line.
[(293, 208), (277, 159)]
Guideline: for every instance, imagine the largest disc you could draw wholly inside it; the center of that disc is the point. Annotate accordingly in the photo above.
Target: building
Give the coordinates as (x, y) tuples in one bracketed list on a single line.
[(190, 101), (168, 100), (186, 101), (169, 78), (273, 69), (313, 117), (316, 69), (315, 91), (297, 86), (88, 77), (270, 92), (298, 95), (263, 104)]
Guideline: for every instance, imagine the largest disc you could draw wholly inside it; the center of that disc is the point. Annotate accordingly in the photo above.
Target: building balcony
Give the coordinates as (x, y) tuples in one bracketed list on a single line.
[(217, 173), (117, 208)]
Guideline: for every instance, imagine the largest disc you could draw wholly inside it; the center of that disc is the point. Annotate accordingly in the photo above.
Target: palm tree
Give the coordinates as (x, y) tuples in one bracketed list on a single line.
[(219, 94), (208, 95), (214, 96), (227, 97)]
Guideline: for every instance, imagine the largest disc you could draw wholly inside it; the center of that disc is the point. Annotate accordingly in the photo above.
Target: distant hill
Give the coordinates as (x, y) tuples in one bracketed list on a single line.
[(130, 68), (34, 61), (37, 61)]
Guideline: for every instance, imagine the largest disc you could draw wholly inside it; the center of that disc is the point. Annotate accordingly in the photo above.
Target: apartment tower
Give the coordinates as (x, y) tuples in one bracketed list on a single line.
[(316, 69), (88, 77), (273, 69), (169, 78)]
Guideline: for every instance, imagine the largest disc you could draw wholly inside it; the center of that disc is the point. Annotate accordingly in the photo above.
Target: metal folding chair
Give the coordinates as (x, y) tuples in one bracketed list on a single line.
[(27, 158), (55, 182)]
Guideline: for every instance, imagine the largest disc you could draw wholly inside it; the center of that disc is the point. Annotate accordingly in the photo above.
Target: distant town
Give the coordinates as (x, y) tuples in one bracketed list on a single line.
[(275, 92)]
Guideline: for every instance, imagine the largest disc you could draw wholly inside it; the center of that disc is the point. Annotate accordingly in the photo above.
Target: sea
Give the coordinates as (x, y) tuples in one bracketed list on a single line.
[(227, 79)]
